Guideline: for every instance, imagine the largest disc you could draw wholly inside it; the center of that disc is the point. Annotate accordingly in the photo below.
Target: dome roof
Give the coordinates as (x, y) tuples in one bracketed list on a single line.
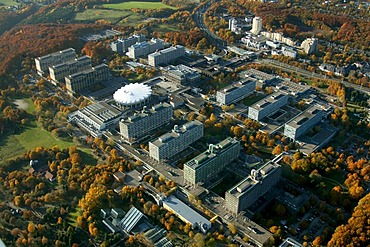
[(132, 94)]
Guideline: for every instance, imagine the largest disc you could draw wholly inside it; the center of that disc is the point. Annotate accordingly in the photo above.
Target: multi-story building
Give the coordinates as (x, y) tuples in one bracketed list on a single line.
[(180, 74), (172, 143), (289, 51), (268, 105), (211, 162), (96, 117), (236, 91), (310, 45), (246, 192), (60, 71), (303, 122), (137, 125), (43, 63), (256, 25), (143, 49), (166, 55), (80, 81), (122, 45)]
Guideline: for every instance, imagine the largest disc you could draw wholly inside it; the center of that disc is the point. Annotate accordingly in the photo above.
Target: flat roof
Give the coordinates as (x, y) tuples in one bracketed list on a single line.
[(236, 85), (100, 112), (130, 219), (290, 242), (146, 112), (268, 100), (186, 212), (57, 53), (219, 148), (305, 116), (176, 132)]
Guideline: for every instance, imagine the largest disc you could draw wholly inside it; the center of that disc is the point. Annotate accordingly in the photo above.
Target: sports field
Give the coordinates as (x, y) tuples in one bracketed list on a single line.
[(138, 5), (101, 14)]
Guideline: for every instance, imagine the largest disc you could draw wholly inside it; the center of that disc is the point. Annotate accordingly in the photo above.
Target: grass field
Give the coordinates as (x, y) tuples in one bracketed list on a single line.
[(138, 5), (101, 14), (8, 3)]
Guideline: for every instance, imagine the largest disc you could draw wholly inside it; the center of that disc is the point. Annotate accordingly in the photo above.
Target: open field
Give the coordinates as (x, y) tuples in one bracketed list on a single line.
[(8, 3), (138, 5), (101, 14), (25, 104)]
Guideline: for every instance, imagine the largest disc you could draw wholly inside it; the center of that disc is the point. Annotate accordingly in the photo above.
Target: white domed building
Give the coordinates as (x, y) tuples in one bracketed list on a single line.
[(133, 95)]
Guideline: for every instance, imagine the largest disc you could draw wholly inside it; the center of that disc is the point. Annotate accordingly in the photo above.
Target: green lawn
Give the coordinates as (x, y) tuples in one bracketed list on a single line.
[(8, 3), (165, 28), (101, 14), (138, 5)]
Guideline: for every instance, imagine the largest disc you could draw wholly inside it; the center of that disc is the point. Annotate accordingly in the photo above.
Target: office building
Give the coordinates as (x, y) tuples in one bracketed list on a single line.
[(236, 91), (138, 125), (122, 45), (256, 25), (83, 80), (166, 55), (143, 49), (43, 63), (186, 213), (247, 192), (268, 105), (310, 45), (180, 74), (289, 51), (303, 122), (172, 143), (60, 71), (96, 117), (211, 162)]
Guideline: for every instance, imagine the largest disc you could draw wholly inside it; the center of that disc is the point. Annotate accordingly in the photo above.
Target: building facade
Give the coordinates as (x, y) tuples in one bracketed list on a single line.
[(303, 122), (211, 162), (80, 81), (43, 63), (289, 51), (137, 125), (268, 105), (122, 45), (236, 91), (310, 45), (143, 49), (172, 143), (180, 74), (246, 192), (166, 55), (60, 71), (256, 25)]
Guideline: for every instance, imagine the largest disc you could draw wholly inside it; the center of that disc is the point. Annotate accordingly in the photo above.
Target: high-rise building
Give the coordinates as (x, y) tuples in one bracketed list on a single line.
[(60, 71), (172, 143), (236, 91), (256, 25), (310, 45), (43, 63), (303, 122), (268, 105), (80, 81), (137, 125), (246, 192), (166, 55), (209, 163), (143, 49), (122, 45)]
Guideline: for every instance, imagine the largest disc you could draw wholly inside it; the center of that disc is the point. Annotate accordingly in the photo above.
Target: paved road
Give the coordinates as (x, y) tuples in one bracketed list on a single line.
[(306, 73)]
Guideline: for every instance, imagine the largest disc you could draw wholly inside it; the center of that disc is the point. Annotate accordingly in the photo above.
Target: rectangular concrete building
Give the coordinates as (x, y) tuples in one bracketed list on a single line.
[(60, 71), (246, 192), (303, 122), (180, 74), (211, 162), (137, 125), (83, 80), (268, 105), (122, 45), (236, 91), (172, 143), (186, 214), (143, 49), (43, 63), (166, 55)]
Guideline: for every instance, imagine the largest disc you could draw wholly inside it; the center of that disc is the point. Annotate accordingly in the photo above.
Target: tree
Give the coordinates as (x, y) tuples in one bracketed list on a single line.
[(232, 228), (199, 240), (277, 150)]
